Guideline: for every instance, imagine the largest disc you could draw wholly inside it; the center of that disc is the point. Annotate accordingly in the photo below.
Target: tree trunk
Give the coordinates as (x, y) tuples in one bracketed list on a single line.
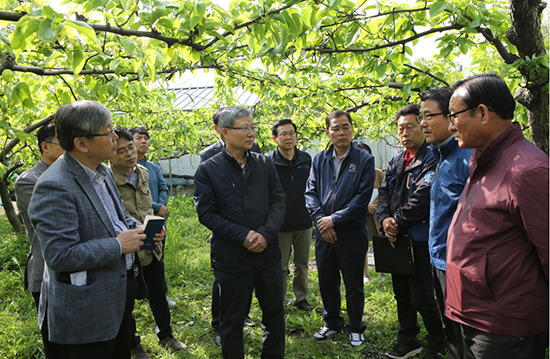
[(18, 227), (526, 35)]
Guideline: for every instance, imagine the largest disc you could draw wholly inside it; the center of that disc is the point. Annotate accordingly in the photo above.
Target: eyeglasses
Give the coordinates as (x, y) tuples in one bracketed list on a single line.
[(110, 134), (344, 128), (451, 116), (287, 134), (427, 116), (124, 150), (53, 143), (245, 129)]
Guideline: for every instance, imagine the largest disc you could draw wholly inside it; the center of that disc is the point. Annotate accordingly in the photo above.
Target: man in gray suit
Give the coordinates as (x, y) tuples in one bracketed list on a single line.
[(50, 152), (92, 275)]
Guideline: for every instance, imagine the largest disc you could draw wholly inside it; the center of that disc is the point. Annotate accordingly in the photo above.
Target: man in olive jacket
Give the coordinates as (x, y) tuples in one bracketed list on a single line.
[(132, 180)]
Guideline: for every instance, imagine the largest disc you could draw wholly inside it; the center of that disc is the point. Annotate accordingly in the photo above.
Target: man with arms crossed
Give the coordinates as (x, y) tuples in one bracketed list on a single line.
[(132, 180), (34, 269), (240, 199), (497, 251), (338, 191), (403, 210), (92, 274), (450, 177), (293, 168)]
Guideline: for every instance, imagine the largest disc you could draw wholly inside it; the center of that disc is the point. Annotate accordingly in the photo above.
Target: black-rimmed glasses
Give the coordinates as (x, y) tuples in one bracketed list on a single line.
[(451, 116), (427, 116), (110, 134)]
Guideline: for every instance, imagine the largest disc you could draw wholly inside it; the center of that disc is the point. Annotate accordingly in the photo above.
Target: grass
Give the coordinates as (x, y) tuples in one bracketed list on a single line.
[(189, 278)]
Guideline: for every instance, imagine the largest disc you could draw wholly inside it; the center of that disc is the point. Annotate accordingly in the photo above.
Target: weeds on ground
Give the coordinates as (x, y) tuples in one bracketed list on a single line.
[(189, 277)]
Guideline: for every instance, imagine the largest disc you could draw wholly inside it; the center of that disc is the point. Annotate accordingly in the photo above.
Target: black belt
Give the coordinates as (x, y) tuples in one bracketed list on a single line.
[(134, 272)]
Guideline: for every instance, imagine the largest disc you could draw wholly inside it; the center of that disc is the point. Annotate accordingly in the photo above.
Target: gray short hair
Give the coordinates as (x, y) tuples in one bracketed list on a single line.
[(227, 117), (80, 119)]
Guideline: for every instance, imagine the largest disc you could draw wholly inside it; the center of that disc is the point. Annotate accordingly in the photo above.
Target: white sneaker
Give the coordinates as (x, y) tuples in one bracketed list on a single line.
[(356, 339), (171, 303), (325, 333)]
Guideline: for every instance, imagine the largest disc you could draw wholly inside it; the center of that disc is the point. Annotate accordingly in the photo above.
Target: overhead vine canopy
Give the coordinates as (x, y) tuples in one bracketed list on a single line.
[(303, 58)]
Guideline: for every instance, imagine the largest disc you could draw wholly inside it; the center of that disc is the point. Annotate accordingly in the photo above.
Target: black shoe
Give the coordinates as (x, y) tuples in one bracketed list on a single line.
[(303, 305), (404, 351), (173, 343), (435, 353), (248, 322), (139, 353)]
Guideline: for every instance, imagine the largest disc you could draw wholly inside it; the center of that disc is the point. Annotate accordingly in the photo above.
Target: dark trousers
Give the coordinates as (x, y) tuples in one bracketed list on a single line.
[(235, 294), (483, 345), (346, 256), (117, 348), (153, 274), (415, 293), (216, 305), (454, 338), (51, 350)]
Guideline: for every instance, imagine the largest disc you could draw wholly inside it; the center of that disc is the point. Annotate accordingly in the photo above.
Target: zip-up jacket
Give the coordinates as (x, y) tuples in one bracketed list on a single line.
[(497, 255), (451, 174), (294, 184), (406, 194), (231, 201), (138, 202), (343, 197)]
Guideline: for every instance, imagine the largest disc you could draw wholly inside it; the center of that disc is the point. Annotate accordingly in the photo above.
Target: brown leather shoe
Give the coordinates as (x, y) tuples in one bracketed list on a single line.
[(171, 342), (139, 353)]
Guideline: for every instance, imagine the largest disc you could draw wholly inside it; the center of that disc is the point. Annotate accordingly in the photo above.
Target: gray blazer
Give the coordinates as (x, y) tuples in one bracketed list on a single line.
[(76, 234), (217, 147), (23, 192)]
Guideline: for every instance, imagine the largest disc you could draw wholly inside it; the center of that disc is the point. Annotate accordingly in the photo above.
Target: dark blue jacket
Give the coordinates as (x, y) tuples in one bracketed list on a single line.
[(453, 170), (231, 201), (294, 184), (406, 194), (345, 199)]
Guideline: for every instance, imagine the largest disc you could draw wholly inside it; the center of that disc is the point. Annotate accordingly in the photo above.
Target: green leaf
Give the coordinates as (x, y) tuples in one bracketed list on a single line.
[(198, 15), (290, 22), (437, 8), (24, 137), (22, 92), (18, 41), (78, 61), (46, 32), (83, 28)]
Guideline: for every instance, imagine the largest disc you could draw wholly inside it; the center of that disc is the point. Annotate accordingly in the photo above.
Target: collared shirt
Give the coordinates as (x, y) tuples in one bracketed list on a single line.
[(132, 178), (245, 162), (338, 161), (98, 180), (292, 162)]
